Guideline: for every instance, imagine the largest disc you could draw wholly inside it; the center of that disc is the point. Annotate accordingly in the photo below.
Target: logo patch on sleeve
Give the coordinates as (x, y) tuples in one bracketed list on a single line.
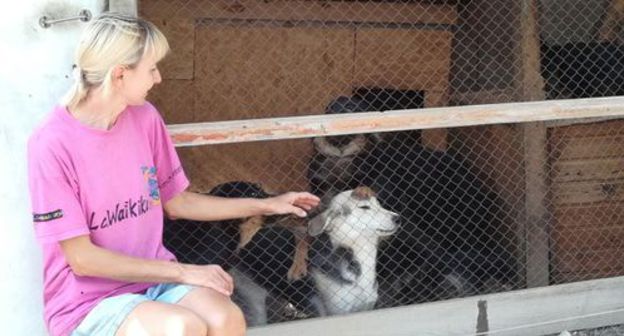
[(46, 217)]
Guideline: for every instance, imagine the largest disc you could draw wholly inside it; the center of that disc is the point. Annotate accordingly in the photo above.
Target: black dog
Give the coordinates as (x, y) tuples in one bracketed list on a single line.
[(452, 241)]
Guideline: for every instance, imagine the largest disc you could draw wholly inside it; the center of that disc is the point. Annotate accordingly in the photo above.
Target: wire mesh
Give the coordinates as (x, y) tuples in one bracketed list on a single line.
[(480, 209)]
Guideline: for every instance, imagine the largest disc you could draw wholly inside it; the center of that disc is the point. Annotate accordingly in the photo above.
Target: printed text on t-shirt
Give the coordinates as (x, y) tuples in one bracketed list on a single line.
[(123, 210)]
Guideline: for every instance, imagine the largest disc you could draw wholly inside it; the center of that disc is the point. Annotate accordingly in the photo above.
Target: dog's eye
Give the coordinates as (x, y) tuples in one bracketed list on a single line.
[(365, 207)]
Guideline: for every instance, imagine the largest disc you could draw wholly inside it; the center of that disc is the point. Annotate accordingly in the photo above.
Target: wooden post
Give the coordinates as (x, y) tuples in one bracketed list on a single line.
[(610, 27), (435, 138), (534, 233)]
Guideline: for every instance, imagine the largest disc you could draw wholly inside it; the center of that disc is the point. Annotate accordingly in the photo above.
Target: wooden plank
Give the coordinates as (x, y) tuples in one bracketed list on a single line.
[(531, 312), (536, 224), (530, 83), (567, 277), (587, 261), (240, 74), (530, 86), (610, 29), (402, 59), (601, 170), (585, 148), (400, 12), (278, 166), (406, 59), (559, 123), (175, 100), (180, 33), (437, 98), (436, 139), (369, 122), (568, 240), (605, 128), (597, 215), (481, 97), (587, 192)]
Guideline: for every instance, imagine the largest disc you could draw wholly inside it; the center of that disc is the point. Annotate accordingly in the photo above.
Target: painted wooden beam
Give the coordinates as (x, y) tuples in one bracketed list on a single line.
[(428, 118)]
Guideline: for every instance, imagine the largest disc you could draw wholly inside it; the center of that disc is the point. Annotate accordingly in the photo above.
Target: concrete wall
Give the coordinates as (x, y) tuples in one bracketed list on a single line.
[(35, 72), (532, 312)]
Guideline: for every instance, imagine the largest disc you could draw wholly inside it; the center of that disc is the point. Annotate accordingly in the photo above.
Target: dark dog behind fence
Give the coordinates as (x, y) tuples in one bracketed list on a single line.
[(452, 241), (331, 167)]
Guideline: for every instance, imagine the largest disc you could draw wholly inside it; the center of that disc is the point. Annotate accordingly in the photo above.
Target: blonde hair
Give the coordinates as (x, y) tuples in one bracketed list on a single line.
[(109, 40)]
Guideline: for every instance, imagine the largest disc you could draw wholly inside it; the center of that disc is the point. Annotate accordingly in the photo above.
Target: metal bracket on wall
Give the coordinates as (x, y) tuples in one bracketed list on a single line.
[(84, 16)]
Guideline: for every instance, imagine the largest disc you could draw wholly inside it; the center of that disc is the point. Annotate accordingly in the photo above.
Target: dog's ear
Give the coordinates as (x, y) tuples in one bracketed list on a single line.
[(319, 223)]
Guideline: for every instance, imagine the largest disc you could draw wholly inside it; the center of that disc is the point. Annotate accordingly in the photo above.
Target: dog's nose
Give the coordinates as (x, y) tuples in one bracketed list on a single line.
[(396, 218)]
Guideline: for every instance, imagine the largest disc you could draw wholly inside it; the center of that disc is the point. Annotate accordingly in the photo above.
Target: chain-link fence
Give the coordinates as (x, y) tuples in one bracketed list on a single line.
[(478, 209)]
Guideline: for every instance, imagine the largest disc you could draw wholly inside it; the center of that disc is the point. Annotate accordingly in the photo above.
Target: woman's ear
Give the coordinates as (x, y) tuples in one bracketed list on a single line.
[(117, 73)]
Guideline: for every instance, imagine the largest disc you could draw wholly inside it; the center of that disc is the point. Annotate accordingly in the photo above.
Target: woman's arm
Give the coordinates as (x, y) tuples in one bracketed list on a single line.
[(87, 259), (189, 205)]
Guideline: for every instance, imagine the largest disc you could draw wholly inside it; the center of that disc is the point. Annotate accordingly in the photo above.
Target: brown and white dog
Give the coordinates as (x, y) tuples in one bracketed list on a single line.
[(342, 260), (345, 275), (338, 247)]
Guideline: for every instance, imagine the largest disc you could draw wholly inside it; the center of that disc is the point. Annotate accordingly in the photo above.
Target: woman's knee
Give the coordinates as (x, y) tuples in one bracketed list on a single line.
[(222, 316), (227, 320), (153, 318), (188, 322)]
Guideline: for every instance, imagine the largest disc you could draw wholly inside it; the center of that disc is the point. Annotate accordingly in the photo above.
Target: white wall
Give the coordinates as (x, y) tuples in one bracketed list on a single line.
[(34, 72)]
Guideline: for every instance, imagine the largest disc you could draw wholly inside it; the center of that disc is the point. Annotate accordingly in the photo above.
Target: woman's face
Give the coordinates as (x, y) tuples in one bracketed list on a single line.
[(137, 81)]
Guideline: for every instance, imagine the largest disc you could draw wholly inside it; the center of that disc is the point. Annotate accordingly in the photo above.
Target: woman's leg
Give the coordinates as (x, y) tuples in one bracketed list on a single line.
[(224, 317), (156, 318)]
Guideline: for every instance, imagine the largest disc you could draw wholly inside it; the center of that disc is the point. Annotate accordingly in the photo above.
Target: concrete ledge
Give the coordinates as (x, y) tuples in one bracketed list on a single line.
[(540, 311)]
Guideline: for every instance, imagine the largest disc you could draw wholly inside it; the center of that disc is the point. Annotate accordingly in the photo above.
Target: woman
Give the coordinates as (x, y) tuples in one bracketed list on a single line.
[(102, 173)]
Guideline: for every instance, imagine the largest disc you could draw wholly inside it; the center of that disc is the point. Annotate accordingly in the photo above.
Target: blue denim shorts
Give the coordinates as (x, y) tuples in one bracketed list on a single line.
[(108, 315)]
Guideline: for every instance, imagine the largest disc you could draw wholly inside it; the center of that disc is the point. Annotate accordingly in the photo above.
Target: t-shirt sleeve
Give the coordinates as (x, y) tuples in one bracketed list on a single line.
[(57, 213), (171, 177)]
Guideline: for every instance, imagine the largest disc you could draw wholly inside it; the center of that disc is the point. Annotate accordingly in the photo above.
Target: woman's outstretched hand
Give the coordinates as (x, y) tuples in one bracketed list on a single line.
[(297, 203)]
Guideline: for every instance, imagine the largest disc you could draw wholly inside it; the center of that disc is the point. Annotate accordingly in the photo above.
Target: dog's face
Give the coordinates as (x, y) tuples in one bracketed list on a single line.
[(354, 214), (343, 145)]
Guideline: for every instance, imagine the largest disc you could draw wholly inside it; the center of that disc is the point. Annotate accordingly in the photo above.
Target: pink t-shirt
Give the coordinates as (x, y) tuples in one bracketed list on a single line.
[(109, 184)]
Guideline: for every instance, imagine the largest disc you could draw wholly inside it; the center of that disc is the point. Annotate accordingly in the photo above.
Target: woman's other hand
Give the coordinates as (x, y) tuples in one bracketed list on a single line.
[(210, 276)]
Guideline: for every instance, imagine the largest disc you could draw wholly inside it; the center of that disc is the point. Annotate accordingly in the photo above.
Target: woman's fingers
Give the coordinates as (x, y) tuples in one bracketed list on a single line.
[(224, 279), (306, 200), (227, 279)]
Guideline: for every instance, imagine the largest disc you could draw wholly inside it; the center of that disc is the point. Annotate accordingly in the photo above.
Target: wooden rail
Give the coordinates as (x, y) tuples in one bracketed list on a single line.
[(400, 120)]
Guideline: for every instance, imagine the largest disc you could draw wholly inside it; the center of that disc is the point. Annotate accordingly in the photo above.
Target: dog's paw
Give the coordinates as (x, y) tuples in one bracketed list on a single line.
[(248, 230), (297, 271)]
